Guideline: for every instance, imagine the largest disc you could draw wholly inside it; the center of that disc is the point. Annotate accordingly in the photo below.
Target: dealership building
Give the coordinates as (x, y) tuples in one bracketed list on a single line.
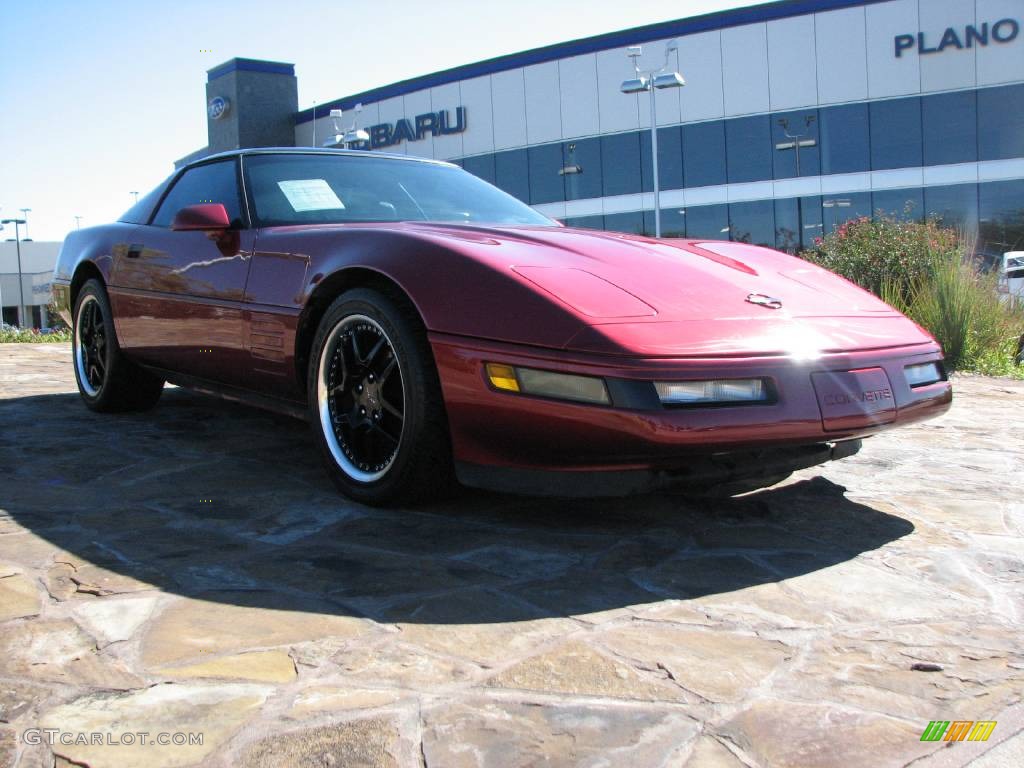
[(795, 116)]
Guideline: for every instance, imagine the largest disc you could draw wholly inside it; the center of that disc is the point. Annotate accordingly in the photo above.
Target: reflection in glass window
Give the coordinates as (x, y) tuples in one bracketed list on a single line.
[(673, 222), (545, 180), (950, 124), (582, 164), (895, 133), (704, 154), (511, 174), (753, 222), (1001, 212), (481, 166), (797, 223), (795, 142), (586, 222), (955, 205), (844, 137), (900, 204), (748, 149), (839, 209), (1001, 122), (210, 183), (710, 221), (620, 163), (631, 222), (670, 158)]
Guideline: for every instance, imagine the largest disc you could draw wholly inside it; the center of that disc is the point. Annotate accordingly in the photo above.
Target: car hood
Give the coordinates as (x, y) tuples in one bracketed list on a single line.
[(610, 276), (671, 297)]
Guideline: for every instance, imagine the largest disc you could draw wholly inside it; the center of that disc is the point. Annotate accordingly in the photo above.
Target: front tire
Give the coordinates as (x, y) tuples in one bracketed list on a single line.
[(375, 401), (107, 380)]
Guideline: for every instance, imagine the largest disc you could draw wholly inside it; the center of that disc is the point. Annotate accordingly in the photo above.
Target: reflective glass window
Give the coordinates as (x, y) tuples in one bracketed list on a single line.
[(582, 163), (481, 166), (631, 222), (845, 139), (954, 205), (585, 222), (511, 173), (546, 185), (797, 223), (1001, 122), (753, 222), (620, 163), (710, 221), (670, 158), (900, 204), (748, 149), (704, 154), (839, 209), (210, 183), (796, 148), (1001, 217), (673, 222), (895, 133), (950, 125)]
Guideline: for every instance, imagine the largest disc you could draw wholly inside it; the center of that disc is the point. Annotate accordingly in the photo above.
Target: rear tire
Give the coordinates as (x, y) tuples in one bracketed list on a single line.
[(375, 402), (107, 380)]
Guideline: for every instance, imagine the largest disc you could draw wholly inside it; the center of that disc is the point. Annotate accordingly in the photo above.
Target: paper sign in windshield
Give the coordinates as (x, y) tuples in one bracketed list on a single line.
[(310, 195)]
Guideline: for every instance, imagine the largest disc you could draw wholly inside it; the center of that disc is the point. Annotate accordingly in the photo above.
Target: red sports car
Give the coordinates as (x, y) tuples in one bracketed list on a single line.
[(433, 328)]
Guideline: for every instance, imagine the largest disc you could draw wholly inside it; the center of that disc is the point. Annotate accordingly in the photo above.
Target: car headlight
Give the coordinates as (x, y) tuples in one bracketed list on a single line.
[(712, 391), (559, 386), (923, 374)]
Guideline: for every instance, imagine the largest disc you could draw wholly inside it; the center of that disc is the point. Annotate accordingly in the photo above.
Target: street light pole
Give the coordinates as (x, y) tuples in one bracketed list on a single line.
[(24, 214), (796, 141), (648, 81), (21, 287), (135, 196), (78, 222)]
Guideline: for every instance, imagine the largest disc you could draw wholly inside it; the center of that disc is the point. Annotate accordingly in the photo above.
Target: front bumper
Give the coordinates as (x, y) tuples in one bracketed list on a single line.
[(497, 429)]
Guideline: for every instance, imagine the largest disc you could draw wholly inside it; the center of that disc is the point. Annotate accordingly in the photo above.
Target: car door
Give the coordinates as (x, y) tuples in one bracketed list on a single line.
[(178, 295)]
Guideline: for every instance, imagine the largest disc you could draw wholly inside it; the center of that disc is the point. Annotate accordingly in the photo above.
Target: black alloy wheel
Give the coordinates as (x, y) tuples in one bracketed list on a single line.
[(107, 380), (375, 401)]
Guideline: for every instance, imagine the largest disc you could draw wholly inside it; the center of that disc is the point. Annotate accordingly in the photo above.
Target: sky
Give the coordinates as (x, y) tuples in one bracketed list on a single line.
[(99, 97)]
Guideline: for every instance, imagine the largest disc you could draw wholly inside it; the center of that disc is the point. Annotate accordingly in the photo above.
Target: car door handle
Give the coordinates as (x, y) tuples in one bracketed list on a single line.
[(134, 250)]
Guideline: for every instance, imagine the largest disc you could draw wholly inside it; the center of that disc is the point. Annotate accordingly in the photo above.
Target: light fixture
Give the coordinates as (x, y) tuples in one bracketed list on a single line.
[(923, 374), (559, 386), (712, 391)]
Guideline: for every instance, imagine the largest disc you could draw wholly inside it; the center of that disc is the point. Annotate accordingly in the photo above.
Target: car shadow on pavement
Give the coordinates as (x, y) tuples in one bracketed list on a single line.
[(215, 500)]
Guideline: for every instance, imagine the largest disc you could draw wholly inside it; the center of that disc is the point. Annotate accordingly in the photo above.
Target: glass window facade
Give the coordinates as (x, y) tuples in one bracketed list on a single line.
[(704, 154), (937, 129), (950, 128), (895, 133), (1001, 122), (748, 149)]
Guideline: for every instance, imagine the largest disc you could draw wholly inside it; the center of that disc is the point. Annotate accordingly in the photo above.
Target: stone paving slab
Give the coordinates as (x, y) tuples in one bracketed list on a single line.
[(192, 571)]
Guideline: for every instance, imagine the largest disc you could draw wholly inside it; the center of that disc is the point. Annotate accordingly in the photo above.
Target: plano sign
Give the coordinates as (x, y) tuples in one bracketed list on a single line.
[(971, 36), (436, 123)]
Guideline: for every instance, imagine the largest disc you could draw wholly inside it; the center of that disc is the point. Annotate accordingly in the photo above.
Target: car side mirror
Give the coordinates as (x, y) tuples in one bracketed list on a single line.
[(203, 217)]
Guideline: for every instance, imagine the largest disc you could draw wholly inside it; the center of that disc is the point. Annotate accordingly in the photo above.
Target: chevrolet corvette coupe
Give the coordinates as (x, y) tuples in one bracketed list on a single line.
[(432, 328)]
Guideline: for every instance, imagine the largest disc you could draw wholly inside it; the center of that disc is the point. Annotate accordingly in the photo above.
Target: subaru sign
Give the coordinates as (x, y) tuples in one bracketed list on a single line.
[(436, 123)]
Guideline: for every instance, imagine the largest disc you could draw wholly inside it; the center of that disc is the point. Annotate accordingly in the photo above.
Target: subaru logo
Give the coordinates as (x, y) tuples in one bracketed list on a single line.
[(764, 301), (217, 107)]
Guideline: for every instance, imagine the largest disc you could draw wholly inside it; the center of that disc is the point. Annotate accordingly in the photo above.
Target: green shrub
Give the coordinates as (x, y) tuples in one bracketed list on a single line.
[(10, 334), (959, 305), (884, 252), (927, 272)]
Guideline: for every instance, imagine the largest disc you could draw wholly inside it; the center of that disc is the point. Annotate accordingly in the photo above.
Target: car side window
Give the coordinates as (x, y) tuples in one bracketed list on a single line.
[(211, 183)]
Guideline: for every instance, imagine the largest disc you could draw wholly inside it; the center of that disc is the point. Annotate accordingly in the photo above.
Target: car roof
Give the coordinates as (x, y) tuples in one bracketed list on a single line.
[(311, 151)]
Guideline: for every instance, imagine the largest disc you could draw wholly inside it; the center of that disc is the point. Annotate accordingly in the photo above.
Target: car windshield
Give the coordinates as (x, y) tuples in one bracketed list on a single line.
[(329, 189)]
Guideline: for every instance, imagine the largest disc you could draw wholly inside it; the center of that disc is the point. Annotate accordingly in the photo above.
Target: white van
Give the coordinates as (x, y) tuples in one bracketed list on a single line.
[(1011, 280)]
